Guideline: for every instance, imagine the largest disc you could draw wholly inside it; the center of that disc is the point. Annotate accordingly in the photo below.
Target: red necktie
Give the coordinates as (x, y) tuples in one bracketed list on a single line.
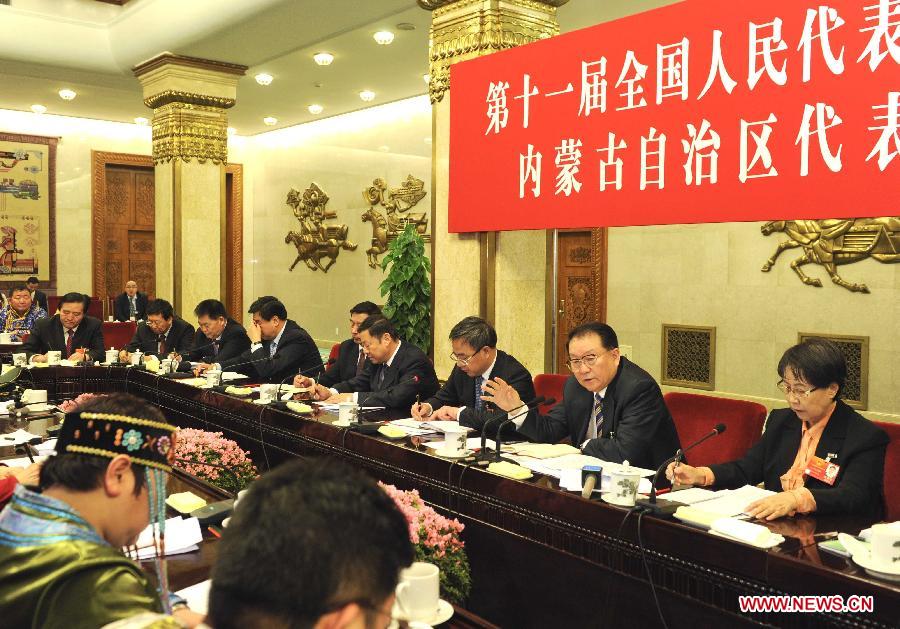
[(360, 362), (69, 335), (161, 341)]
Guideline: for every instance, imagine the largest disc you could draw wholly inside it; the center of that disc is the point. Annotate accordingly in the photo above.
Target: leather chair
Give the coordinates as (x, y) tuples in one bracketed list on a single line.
[(333, 355), (892, 471), (696, 415), (117, 334)]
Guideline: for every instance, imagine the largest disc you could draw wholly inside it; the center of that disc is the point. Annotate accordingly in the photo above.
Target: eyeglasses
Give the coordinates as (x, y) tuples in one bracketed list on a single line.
[(800, 394), (588, 360), (464, 361)]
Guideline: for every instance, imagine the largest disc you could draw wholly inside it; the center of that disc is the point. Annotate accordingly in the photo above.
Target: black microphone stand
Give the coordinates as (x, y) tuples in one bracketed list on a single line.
[(533, 404)]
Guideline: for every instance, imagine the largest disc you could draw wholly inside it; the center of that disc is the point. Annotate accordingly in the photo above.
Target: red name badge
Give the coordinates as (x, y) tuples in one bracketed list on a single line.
[(822, 470)]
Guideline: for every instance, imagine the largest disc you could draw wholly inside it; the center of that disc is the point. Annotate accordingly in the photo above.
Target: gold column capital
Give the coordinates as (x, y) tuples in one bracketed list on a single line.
[(464, 29), (189, 97)]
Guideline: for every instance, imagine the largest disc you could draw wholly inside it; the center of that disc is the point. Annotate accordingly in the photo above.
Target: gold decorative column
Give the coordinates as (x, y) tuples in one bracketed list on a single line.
[(501, 276), (189, 97)]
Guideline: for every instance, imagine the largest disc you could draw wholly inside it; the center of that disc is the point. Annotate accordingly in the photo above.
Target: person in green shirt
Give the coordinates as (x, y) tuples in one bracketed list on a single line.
[(61, 563)]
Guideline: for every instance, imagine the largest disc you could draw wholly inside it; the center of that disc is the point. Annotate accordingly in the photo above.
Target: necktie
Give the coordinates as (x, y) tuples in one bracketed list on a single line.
[(215, 347), (595, 428), (360, 362), (161, 344), (69, 336), (273, 347), (479, 381), (380, 379), (132, 311)]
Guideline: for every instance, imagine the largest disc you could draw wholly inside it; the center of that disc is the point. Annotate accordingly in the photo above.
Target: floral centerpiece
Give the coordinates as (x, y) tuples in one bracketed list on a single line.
[(200, 446), (436, 539), (70, 406)]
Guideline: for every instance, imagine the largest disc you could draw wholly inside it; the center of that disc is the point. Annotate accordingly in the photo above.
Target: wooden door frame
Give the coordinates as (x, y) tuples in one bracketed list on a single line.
[(234, 300), (100, 160)]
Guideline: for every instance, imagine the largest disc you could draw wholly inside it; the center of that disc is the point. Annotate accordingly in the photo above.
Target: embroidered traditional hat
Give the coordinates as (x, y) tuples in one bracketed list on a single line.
[(147, 442)]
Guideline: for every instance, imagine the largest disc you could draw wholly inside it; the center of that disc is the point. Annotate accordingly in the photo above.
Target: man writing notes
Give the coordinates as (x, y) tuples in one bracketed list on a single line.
[(277, 350), (162, 333), (218, 336), (70, 331), (351, 358), (130, 305), (474, 343), (21, 314), (612, 409), (397, 372)]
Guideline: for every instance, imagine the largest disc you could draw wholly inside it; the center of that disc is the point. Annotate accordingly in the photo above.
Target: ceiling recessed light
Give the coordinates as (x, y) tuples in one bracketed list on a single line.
[(315, 109), (38, 109), (323, 58), (406, 26), (367, 95), (263, 79), (231, 131), (140, 120), (383, 37), (67, 94), (270, 120), (426, 78)]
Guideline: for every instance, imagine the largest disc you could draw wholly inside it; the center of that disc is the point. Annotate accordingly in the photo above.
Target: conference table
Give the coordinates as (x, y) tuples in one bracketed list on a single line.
[(540, 556)]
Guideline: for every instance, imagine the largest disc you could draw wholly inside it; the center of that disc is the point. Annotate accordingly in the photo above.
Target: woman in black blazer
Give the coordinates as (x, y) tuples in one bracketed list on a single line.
[(819, 455)]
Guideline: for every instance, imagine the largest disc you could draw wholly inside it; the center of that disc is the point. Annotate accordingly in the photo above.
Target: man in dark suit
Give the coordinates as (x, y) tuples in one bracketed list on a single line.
[(78, 336), (277, 351), (37, 296), (130, 305), (612, 409), (218, 337), (162, 334), (351, 359), (474, 343), (397, 372)]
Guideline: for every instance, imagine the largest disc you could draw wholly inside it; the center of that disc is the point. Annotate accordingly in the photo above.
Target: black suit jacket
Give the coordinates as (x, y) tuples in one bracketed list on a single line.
[(459, 390), (48, 335), (178, 340), (637, 426), (859, 446), (233, 343), (41, 298), (121, 309), (296, 351), (344, 368), (397, 389)]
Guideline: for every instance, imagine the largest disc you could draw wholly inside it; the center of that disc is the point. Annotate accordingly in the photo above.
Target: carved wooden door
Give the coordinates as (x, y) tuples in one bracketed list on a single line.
[(130, 230), (580, 284)]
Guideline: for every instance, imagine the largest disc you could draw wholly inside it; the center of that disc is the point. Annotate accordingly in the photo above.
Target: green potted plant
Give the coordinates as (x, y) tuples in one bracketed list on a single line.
[(408, 288)]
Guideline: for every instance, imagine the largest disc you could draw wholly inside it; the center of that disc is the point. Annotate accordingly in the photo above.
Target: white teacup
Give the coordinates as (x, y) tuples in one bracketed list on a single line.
[(34, 396), (623, 486), (213, 377), (112, 355), (418, 591), (886, 544), (53, 357), (455, 441), (20, 359), (347, 412), (136, 358), (165, 365), (267, 393), (5, 338)]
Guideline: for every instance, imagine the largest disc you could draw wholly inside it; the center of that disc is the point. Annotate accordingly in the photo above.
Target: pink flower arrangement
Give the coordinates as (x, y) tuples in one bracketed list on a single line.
[(436, 539), (70, 406), (200, 446)]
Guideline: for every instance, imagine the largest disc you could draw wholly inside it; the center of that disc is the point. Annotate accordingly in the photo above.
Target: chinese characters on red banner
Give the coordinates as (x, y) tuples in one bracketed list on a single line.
[(702, 111)]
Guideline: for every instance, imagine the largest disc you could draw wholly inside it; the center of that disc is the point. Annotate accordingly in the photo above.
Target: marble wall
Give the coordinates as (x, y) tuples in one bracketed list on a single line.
[(710, 275)]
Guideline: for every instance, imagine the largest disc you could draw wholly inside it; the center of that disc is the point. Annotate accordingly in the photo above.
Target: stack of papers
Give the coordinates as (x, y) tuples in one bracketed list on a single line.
[(731, 502), (472, 443), (182, 536), (17, 438), (197, 596), (546, 450)]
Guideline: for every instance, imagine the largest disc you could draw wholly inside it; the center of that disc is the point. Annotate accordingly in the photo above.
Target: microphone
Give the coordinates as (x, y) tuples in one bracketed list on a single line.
[(590, 476), (530, 406), (484, 454), (390, 389), (191, 351), (650, 505), (291, 376)]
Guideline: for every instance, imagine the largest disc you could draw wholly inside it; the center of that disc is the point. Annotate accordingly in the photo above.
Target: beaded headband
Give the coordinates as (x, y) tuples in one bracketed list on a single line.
[(145, 441)]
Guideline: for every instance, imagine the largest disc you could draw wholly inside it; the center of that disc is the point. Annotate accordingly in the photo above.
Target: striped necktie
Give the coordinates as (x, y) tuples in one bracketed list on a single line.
[(595, 427), (479, 381)]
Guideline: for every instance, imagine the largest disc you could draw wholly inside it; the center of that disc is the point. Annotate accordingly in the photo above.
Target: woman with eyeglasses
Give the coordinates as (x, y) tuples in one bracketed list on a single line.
[(819, 454)]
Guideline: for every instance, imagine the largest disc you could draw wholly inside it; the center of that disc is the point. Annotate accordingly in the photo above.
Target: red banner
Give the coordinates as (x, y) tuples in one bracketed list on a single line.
[(701, 111)]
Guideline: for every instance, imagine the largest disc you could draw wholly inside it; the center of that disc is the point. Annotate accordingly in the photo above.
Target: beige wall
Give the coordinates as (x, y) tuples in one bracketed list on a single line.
[(77, 138), (710, 275), (342, 155)]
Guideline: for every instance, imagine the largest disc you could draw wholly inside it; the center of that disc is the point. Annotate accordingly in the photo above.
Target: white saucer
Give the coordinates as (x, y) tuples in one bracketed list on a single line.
[(452, 454), (443, 614), (260, 402), (341, 424), (877, 569)]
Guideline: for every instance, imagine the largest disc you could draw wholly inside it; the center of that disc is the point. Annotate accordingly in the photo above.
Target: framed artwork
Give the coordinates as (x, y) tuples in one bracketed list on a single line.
[(27, 209)]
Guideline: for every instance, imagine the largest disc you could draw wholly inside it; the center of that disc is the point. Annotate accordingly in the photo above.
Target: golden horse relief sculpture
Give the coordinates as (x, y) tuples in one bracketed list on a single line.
[(834, 242), (316, 239), (397, 202)]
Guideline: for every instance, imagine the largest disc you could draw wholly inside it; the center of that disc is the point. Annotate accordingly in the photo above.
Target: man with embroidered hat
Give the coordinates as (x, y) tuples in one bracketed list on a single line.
[(61, 563)]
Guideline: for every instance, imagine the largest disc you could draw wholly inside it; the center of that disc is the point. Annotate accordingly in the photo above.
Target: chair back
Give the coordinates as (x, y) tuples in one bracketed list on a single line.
[(117, 334), (696, 415), (892, 471), (333, 355), (549, 385)]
